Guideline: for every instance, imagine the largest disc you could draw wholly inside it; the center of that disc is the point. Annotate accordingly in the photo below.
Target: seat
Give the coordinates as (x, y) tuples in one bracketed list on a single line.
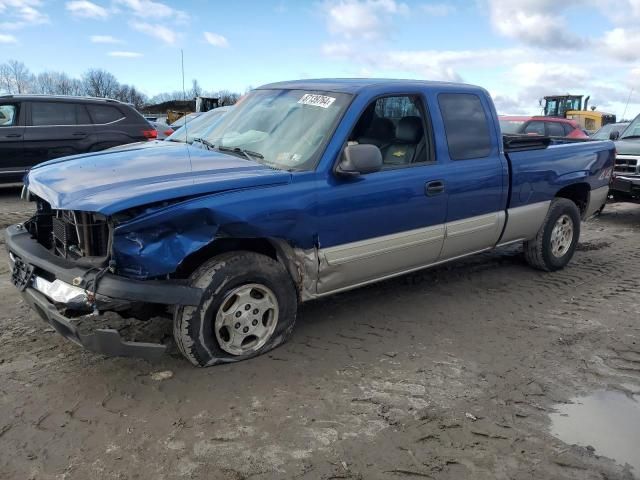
[(402, 150), (380, 133)]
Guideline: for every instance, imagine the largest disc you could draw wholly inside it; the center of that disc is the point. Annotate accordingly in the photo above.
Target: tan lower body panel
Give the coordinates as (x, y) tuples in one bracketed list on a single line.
[(351, 265), (354, 263)]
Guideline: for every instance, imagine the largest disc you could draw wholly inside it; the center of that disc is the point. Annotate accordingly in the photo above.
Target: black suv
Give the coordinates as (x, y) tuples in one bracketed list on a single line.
[(36, 128)]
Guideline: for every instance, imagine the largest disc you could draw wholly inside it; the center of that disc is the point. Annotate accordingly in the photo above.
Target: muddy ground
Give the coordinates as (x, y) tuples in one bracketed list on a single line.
[(449, 374)]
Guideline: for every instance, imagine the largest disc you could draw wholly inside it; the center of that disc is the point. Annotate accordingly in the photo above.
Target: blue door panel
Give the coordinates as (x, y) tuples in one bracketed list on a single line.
[(377, 204), (474, 186)]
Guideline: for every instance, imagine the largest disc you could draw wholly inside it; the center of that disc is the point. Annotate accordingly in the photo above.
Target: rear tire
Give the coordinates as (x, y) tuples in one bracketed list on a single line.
[(248, 307), (556, 241)]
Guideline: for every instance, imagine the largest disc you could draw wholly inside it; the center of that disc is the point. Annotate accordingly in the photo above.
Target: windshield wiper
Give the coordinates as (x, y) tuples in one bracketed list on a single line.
[(629, 136), (204, 142), (247, 153)]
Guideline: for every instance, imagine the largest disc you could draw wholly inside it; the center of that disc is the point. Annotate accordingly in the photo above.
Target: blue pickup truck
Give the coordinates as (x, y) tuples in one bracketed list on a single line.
[(305, 189)]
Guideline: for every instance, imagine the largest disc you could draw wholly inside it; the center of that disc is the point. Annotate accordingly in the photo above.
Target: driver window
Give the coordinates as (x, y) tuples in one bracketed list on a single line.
[(396, 125)]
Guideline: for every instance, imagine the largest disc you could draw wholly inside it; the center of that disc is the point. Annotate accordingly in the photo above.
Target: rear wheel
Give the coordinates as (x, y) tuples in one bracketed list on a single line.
[(248, 307), (556, 241)]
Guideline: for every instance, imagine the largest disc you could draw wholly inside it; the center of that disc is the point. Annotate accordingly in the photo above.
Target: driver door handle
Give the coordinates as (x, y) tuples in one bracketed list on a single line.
[(434, 188)]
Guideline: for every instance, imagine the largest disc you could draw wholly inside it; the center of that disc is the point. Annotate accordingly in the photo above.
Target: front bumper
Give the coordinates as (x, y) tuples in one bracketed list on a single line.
[(112, 290), (106, 341), (626, 184)]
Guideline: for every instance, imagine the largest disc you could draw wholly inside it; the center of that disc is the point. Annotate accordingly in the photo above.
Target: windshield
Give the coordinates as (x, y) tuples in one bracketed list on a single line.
[(284, 129), (510, 126), (633, 130), (603, 133), (197, 126)]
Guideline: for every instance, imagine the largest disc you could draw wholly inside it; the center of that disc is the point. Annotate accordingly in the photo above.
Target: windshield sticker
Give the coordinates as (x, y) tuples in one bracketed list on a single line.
[(316, 100)]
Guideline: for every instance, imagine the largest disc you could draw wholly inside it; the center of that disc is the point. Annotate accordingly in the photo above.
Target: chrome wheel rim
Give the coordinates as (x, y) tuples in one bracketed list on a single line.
[(562, 236), (246, 319)]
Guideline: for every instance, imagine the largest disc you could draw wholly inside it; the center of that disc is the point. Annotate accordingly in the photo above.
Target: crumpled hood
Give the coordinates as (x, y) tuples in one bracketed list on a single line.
[(112, 181), (628, 147)]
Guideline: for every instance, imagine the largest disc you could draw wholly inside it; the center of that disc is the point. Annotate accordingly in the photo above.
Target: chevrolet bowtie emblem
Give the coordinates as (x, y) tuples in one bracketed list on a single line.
[(398, 154)]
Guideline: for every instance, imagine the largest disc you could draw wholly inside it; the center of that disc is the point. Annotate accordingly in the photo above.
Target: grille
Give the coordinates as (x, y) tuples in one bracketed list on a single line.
[(65, 237), (79, 234), (626, 164)]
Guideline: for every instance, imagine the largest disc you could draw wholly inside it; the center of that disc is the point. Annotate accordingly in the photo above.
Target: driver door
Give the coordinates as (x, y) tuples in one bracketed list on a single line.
[(388, 222)]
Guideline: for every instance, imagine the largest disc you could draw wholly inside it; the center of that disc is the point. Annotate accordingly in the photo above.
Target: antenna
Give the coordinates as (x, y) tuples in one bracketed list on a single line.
[(184, 97), (626, 105)]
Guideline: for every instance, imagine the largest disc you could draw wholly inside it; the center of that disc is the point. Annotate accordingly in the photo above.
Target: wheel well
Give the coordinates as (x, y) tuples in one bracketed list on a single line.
[(578, 193), (224, 245)]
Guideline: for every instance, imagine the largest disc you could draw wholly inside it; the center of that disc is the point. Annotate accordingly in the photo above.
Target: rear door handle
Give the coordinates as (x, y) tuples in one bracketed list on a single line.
[(79, 134), (434, 188), (13, 135)]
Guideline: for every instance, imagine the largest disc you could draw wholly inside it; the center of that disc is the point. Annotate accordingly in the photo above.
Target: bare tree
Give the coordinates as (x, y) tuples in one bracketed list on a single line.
[(15, 77), (226, 97), (196, 90), (100, 83), (167, 97), (130, 94)]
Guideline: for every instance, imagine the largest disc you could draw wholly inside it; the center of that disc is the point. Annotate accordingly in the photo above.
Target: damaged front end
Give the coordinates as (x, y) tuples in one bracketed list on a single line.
[(64, 264)]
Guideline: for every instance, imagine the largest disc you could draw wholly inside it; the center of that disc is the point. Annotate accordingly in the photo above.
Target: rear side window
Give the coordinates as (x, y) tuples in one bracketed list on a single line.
[(534, 128), (53, 113), (8, 115), (555, 129), (466, 125), (102, 114)]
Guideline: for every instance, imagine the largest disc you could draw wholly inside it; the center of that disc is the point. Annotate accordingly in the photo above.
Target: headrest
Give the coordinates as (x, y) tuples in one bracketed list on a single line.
[(409, 130), (381, 128)]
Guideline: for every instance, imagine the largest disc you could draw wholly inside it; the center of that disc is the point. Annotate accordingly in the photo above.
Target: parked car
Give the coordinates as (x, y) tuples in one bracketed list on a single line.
[(552, 127), (307, 188), (194, 129), (185, 119), (511, 124), (198, 126), (626, 173), (610, 131), (163, 129), (37, 128)]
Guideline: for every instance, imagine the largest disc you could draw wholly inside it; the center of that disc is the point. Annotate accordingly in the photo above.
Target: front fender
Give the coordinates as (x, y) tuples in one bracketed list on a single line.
[(155, 245)]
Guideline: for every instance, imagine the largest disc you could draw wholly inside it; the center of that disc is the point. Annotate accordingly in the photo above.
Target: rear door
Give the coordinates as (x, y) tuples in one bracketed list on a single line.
[(57, 129), (116, 124), (12, 163), (476, 177)]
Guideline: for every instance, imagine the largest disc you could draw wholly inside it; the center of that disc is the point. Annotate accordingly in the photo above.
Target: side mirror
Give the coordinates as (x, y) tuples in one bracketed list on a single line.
[(359, 159), (614, 135)]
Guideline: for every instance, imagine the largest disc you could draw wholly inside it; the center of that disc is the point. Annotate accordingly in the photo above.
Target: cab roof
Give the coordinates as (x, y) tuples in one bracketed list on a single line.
[(356, 85)]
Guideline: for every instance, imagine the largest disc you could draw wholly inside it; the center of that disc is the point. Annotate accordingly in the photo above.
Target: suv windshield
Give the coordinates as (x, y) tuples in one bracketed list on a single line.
[(284, 129), (633, 130)]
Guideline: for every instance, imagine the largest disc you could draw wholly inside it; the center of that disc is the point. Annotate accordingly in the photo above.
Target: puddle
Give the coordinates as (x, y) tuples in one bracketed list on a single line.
[(609, 421)]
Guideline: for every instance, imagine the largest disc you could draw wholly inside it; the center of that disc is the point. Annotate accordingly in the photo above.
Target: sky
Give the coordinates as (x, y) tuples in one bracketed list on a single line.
[(519, 50)]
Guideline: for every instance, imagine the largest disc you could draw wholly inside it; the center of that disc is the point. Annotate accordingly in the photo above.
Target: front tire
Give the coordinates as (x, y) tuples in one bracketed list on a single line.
[(556, 241), (248, 307)]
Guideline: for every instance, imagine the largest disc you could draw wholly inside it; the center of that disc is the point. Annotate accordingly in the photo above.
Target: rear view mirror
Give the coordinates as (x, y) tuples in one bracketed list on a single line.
[(359, 160), (614, 135)]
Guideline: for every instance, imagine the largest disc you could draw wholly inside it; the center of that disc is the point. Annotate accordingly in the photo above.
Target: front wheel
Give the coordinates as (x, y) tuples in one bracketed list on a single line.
[(556, 241), (248, 307)]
